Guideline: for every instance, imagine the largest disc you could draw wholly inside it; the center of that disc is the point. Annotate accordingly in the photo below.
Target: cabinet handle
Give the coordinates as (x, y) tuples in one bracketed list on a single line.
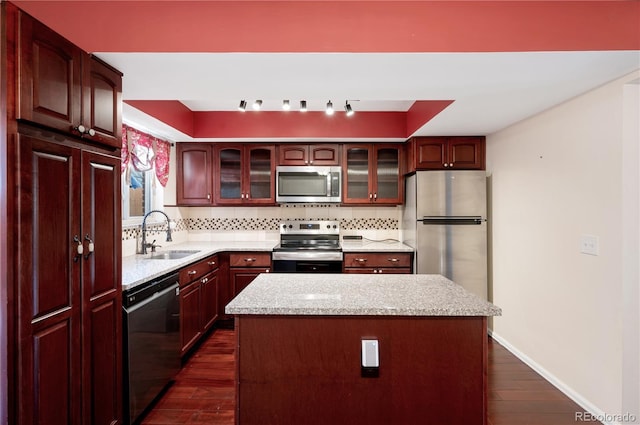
[(371, 196), (208, 196), (211, 263), (205, 280), (249, 260), (360, 260), (191, 272), (375, 196), (84, 130), (90, 247), (451, 164), (266, 271), (79, 248), (393, 260), (446, 165)]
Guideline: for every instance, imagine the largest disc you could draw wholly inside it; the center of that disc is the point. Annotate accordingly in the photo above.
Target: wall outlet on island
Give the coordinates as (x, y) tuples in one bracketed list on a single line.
[(589, 245)]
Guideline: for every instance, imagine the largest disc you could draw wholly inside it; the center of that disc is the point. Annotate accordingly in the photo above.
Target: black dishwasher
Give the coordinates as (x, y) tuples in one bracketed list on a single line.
[(151, 340)]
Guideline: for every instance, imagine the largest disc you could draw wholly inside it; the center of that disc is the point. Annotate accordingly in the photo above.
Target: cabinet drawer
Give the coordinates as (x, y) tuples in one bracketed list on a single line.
[(197, 270), (250, 259), (378, 259)]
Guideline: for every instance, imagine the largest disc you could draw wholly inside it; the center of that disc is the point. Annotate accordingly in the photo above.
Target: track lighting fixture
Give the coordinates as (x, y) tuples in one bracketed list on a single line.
[(348, 109), (329, 109), (287, 106)]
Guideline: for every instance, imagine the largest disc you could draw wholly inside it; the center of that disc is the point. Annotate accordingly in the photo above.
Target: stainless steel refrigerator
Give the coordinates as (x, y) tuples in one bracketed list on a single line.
[(444, 220)]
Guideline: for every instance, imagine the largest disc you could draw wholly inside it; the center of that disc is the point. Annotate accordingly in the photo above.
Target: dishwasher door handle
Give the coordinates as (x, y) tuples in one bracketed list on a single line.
[(155, 295)]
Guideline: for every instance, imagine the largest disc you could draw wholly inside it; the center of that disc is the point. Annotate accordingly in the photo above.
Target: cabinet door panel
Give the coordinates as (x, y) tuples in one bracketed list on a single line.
[(103, 378), (190, 315), (292, 155), (103, 103), (356, 175), (324, 155), (229, 176), (53, 398), (209, 300), (50, 76), (431, 153), (195, 182), (466, 153), (48, 282), (389, 183), (260, 180), (101, 288)]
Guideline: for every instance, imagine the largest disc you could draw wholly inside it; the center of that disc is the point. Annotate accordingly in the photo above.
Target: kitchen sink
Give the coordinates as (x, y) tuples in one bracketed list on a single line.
[(173, 255)]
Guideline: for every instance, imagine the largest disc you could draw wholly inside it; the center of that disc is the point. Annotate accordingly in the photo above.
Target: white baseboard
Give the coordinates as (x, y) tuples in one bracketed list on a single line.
[(560, 385)]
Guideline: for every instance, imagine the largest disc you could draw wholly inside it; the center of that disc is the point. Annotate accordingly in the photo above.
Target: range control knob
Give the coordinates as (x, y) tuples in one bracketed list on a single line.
[(291, 226)]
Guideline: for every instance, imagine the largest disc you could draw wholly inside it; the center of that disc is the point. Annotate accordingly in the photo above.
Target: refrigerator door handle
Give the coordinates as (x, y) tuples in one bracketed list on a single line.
[(439, 220)]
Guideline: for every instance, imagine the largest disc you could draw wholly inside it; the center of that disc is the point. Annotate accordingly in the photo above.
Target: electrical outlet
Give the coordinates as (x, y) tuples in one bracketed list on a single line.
[(589, 245)]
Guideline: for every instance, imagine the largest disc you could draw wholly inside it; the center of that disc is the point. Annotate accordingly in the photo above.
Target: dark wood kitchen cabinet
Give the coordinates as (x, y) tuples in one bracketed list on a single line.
[(194, 163), (244, 174), (446, 153), (64, 88), (320, 154), (198, 300), (245, 267), (378, 262), (68, 285), (372, 174), (61, 289)]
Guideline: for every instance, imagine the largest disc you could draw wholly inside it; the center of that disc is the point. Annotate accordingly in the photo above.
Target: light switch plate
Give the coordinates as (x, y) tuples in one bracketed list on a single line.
[(589, 245)]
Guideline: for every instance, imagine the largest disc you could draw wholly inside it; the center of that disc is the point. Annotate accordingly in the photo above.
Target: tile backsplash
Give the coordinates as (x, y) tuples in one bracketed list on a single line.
[(252, 223)]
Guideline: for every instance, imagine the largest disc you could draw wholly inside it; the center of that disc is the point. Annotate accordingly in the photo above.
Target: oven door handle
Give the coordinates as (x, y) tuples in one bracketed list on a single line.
[(306, 256)]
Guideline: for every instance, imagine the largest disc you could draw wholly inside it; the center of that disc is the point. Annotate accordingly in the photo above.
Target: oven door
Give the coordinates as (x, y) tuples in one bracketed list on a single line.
[(306, 262)]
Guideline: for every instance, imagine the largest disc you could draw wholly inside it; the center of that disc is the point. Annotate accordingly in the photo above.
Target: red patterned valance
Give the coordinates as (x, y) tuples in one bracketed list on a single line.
[(145, 152)]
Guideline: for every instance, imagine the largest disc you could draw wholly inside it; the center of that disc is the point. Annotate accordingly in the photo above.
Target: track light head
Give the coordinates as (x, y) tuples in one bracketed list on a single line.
[(286, 105), (243, 105), (348, 109), (303, 106), (257, 105), (329, 109)]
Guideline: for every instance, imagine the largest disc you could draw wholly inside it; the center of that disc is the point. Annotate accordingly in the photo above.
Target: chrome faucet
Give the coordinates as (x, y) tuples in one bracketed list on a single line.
[(145, 245)]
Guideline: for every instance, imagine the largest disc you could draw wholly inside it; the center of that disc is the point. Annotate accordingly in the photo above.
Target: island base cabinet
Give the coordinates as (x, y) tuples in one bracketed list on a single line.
[(433, 370)]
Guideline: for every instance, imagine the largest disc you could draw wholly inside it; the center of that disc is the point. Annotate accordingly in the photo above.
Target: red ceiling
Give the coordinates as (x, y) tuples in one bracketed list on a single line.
[(342, 26), (332, 26)]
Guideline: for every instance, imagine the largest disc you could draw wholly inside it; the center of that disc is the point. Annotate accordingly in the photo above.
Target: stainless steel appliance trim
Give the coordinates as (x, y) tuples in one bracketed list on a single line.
[(311, 255)]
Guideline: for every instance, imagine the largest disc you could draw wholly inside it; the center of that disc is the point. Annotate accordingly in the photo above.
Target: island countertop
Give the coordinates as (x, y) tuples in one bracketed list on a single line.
[(358, 295)]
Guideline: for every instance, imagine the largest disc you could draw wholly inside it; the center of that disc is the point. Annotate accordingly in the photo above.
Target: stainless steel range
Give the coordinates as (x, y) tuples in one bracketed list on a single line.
[(308, 247)]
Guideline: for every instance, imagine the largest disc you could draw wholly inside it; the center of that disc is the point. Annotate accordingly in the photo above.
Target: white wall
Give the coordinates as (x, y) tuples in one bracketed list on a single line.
[(555, 177)]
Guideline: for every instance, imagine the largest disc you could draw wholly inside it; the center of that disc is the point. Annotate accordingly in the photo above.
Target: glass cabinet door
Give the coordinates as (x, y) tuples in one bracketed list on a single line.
[(260, 176), (230, 169), (387, 174), (357, 174)]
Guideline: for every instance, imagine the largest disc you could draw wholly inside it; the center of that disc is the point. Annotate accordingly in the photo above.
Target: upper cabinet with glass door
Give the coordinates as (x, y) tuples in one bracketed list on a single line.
[(245, 174), (372, 174)]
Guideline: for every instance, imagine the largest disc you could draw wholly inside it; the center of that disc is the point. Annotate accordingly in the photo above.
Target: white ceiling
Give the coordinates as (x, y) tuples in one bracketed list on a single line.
[(490, 90)]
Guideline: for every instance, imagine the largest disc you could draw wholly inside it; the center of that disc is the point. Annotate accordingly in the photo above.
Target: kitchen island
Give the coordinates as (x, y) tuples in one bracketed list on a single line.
[(299, 350)]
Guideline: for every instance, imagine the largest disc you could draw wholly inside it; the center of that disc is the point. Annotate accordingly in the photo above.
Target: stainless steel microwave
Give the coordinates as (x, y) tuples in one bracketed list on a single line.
[(308, 184)]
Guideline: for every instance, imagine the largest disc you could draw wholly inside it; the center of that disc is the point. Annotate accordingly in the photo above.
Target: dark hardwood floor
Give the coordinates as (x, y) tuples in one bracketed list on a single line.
[(204, 391)]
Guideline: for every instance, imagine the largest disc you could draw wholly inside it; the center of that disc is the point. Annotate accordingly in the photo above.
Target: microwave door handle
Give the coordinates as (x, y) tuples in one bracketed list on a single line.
[(328, 184)]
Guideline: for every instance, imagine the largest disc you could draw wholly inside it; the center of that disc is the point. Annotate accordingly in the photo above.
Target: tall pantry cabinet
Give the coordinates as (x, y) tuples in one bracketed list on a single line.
[(62, 248)]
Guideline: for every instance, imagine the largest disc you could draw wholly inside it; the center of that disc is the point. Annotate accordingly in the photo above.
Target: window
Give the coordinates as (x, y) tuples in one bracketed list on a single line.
[(137, 194)]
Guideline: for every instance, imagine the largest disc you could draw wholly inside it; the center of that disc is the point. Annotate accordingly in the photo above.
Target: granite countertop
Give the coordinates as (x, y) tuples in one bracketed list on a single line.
[(358, 295), (138, 269), (365, 245)]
